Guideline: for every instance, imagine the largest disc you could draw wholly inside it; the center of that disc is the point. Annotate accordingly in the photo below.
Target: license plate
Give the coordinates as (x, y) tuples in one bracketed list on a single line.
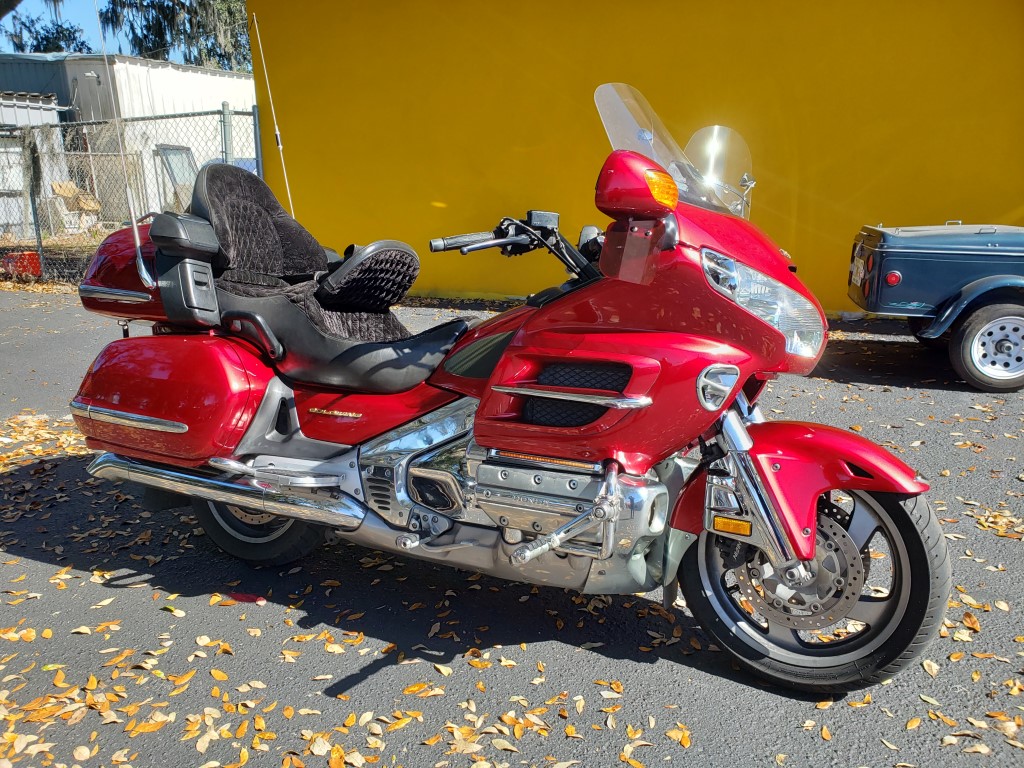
[(857, 274)]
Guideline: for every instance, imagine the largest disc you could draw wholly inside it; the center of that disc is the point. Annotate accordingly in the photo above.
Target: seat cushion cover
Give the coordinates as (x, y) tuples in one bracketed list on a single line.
[(256, 234)]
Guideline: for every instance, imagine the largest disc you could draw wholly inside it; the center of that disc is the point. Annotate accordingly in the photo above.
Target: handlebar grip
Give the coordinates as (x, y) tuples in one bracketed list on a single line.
[(456, 242)]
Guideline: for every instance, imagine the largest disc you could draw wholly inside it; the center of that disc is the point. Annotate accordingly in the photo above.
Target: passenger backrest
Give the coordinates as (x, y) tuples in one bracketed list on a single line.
[(257, 236)]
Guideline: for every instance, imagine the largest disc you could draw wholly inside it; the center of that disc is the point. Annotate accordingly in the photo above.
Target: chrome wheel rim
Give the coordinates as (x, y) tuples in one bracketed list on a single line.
[(248, 526), (997, 350), (857, 627)]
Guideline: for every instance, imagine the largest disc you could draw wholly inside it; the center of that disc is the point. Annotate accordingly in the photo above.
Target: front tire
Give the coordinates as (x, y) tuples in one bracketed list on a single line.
[(883, 580), (987, 350), (256, 537)]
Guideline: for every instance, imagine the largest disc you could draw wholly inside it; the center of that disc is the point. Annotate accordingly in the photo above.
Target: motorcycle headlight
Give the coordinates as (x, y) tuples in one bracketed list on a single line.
[(781, 307)]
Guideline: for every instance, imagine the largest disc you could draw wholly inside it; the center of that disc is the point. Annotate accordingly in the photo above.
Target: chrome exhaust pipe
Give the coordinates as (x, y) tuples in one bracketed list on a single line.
[(342, 513)]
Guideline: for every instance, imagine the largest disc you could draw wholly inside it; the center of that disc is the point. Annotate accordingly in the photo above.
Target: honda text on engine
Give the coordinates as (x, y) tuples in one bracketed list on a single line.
[(605, 437)]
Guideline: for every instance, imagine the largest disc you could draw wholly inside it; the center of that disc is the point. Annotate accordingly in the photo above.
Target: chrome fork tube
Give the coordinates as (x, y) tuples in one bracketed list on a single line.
[(754, 497), (750, 412)]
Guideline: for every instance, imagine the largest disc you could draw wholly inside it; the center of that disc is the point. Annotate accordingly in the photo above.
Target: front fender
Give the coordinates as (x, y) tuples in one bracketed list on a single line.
[(965, 296), (810, 459)]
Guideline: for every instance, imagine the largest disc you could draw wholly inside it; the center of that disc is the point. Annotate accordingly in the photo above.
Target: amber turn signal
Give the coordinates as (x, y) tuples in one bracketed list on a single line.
[(663, 187), (731, 525)]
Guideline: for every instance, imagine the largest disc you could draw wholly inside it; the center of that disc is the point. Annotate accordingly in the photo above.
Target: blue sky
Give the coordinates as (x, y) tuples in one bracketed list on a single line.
[(80, 12)]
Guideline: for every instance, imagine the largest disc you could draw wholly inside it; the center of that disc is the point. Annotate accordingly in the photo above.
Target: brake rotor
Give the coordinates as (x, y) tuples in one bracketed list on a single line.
[(838, 582), (250, 518)]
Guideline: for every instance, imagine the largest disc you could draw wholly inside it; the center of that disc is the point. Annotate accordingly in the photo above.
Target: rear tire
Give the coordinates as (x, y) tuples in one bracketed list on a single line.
[(987, 350), (255, 537), (777, 638)]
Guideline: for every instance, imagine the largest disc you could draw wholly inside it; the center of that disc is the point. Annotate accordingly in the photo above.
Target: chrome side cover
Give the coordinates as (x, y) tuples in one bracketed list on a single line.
[(384, 461)]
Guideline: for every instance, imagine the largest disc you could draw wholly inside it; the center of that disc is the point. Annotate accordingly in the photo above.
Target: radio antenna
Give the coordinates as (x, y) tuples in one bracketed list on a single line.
[(144, 275), (273, 115)]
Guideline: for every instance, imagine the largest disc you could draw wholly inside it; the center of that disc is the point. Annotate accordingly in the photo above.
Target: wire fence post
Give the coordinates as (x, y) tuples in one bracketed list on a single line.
[(34, 168), (225, 129), (38, 230), (257, 141)]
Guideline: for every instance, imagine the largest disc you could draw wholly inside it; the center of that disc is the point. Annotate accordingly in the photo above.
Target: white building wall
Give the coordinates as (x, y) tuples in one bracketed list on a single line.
[(146, 88)]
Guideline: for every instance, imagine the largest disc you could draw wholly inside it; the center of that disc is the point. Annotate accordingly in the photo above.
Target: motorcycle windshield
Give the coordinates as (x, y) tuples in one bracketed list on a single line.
[(712, 172)]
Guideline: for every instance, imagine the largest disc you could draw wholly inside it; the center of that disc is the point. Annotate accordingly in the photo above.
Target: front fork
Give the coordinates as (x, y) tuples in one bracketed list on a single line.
[(737, 504)]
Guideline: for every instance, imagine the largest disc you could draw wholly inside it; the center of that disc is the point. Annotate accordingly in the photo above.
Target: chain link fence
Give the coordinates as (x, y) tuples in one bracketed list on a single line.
[(65, 187)]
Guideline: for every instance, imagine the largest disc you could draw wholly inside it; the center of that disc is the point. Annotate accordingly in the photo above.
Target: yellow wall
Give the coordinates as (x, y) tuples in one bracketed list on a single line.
[(413, 119)]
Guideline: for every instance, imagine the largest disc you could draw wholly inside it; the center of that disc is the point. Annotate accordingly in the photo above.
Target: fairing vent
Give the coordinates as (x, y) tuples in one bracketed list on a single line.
[(604, 377), (608, 376), (379, 494)]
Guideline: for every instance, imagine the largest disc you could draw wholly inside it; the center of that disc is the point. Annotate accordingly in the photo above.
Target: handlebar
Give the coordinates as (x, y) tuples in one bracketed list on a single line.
[(457, 242)]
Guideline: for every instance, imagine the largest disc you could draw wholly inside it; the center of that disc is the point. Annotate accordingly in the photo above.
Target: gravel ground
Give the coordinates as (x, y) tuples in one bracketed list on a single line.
[(127, 638)]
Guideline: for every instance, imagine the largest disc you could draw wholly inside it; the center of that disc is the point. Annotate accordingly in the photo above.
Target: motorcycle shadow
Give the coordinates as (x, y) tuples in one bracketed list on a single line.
[(416, 609)]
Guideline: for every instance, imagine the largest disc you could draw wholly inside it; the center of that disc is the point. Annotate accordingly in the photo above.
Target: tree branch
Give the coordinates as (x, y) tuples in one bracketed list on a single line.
[(7, 6)]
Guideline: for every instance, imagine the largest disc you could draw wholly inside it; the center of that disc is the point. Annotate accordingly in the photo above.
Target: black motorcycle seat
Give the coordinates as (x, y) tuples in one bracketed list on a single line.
[(341, 356), (322, 323)]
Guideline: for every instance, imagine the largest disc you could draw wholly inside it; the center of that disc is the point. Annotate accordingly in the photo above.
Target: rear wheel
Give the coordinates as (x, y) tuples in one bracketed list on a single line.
[(257, 537), (987, 350), (882, 580)]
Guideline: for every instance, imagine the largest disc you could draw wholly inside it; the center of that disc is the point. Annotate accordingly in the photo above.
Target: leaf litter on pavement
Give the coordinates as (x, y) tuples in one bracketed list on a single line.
[(169, 682)]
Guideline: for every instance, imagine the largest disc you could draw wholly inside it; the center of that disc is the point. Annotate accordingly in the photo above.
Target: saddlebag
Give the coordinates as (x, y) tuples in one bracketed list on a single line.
[(173, 399)]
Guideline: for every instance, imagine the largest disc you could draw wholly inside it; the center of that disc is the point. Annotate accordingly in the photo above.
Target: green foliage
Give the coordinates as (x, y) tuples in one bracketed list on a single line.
[(32, 34), (207, 33)]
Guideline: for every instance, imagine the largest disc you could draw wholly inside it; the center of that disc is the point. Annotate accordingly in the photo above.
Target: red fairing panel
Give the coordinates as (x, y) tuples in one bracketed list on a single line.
[(665, 368), (351, 418), (812, 459), (211, 384), (738, 238), (506, 322), (113, 266)]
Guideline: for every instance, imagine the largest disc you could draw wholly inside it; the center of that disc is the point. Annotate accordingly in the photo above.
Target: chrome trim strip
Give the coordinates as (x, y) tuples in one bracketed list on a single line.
[(342, 512), (125, 419), (495, 455), (112, 294), (889, 251), (608, 401)]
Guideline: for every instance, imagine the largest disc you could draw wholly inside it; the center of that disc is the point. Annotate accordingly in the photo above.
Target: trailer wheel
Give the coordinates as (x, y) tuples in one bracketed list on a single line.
[(987, 349)]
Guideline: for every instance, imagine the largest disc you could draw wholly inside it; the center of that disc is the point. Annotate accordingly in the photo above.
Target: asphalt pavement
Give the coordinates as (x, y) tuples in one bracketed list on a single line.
[(127, 638)]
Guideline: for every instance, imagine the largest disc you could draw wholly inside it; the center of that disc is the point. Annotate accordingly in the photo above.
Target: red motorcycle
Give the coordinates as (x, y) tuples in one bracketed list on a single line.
[(604, 437)]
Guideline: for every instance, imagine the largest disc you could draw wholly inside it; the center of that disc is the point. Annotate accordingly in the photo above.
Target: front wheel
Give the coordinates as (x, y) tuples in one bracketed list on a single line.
[(988, 348), (256, 537), (882, 580)]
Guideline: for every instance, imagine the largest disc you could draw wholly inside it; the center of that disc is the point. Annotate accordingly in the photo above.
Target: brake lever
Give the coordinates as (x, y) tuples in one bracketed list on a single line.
[(500, 242)]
